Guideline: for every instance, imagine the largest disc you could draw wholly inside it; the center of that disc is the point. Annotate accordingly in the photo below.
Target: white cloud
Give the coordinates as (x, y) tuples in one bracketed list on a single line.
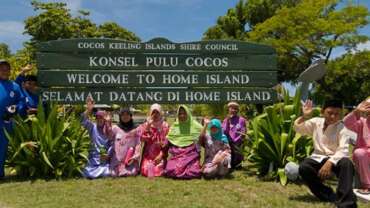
[(363, 46), (340, 51), (11, 33)]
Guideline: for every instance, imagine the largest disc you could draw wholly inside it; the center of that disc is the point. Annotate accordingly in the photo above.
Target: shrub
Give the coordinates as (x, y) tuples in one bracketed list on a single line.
[(273, 140), (48, 145)]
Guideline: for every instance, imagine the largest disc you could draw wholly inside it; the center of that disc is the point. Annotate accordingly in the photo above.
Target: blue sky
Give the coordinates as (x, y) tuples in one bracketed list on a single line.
[(177, 20)]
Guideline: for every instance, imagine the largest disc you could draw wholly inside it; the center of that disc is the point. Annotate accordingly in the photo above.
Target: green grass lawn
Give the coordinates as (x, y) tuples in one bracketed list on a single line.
[(239, 190)]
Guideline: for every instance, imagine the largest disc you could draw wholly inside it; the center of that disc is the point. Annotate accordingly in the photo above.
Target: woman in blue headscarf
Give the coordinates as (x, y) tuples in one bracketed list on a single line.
[(217, 150)]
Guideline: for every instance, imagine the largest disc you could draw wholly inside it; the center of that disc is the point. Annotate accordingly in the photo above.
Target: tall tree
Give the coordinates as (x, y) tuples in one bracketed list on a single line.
[(347, 79), (244, 17), (4, 51), (308, 31), (300, 31), (113, 30), (54, 21)]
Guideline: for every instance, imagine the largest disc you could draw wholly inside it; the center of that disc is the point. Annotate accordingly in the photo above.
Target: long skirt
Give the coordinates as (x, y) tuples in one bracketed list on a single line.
[(184, 162)]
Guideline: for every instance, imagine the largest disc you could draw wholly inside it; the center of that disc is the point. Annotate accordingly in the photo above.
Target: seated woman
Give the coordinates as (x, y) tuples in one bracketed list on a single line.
[(217, 150), (155, 142), (98, 163), (126, 155), (359, 122), (185, 153)]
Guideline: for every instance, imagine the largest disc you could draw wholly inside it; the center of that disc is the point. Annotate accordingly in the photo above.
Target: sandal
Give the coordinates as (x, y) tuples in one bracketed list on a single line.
[(363, 191)]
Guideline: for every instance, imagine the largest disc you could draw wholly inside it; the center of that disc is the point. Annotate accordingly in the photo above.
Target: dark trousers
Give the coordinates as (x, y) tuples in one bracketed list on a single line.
[(8, 126), (3, 150), (237, 156), (344, 170)]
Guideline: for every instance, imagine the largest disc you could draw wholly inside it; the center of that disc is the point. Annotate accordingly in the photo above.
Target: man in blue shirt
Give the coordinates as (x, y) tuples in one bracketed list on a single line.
[(10, 96), (29, 87)]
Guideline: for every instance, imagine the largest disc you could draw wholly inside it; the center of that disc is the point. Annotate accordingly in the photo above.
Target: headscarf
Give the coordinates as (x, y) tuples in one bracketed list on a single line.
[(100, 114), (232, 103), (107, 124), (183, 134), (156, 107), (219, 135), (126, 126)]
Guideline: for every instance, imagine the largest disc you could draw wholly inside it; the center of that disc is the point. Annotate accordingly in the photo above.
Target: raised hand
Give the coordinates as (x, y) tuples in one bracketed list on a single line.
[(363, 107), (307, 108), (89, 104), (206, 121), (149, 124), (26, 68)]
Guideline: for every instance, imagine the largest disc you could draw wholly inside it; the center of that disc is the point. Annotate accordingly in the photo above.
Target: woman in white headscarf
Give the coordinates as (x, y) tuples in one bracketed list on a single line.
[(154, 137)]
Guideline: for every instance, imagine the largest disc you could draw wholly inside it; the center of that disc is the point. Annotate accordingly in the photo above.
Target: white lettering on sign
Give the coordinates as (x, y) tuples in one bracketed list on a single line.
[(90, 45), (70, 97), (124, 46), (249, 96), (221, 47), (97, 78), (106, 61), (135, 96), (160, 46), (150, 96), (206, 62), (227, 79), (162, 61), (146, 78), (190, 46), (202, 96), (180, 79), (173, 96)]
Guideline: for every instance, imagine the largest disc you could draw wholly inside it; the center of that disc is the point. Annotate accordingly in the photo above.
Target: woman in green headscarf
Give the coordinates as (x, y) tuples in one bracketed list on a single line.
[(217, 150), (183, 140)]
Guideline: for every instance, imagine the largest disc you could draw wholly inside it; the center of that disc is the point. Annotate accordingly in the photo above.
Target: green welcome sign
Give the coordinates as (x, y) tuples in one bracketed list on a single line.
[(158, 71)]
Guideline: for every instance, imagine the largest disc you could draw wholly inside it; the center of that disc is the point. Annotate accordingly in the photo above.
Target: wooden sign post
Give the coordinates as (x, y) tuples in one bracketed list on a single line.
[(158, 71)]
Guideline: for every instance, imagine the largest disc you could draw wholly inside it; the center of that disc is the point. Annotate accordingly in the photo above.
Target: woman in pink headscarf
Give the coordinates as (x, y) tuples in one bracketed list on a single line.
[(154, 138), (359, 121)]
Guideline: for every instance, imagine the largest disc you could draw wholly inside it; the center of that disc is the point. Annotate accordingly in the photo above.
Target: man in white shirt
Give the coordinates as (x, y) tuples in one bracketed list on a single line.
[(330, 154)]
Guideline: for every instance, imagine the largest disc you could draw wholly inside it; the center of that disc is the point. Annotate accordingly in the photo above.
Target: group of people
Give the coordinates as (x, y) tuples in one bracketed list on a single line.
[(331, 151), (19, 96), (155, 148)]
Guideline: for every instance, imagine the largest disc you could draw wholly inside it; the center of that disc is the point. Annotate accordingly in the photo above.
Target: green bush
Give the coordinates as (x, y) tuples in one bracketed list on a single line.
[(48, 145), (273, 140)]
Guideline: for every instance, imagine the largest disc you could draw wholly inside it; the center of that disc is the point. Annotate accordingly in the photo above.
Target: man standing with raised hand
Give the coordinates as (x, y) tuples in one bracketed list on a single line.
[(330, 154), (10, 96)]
